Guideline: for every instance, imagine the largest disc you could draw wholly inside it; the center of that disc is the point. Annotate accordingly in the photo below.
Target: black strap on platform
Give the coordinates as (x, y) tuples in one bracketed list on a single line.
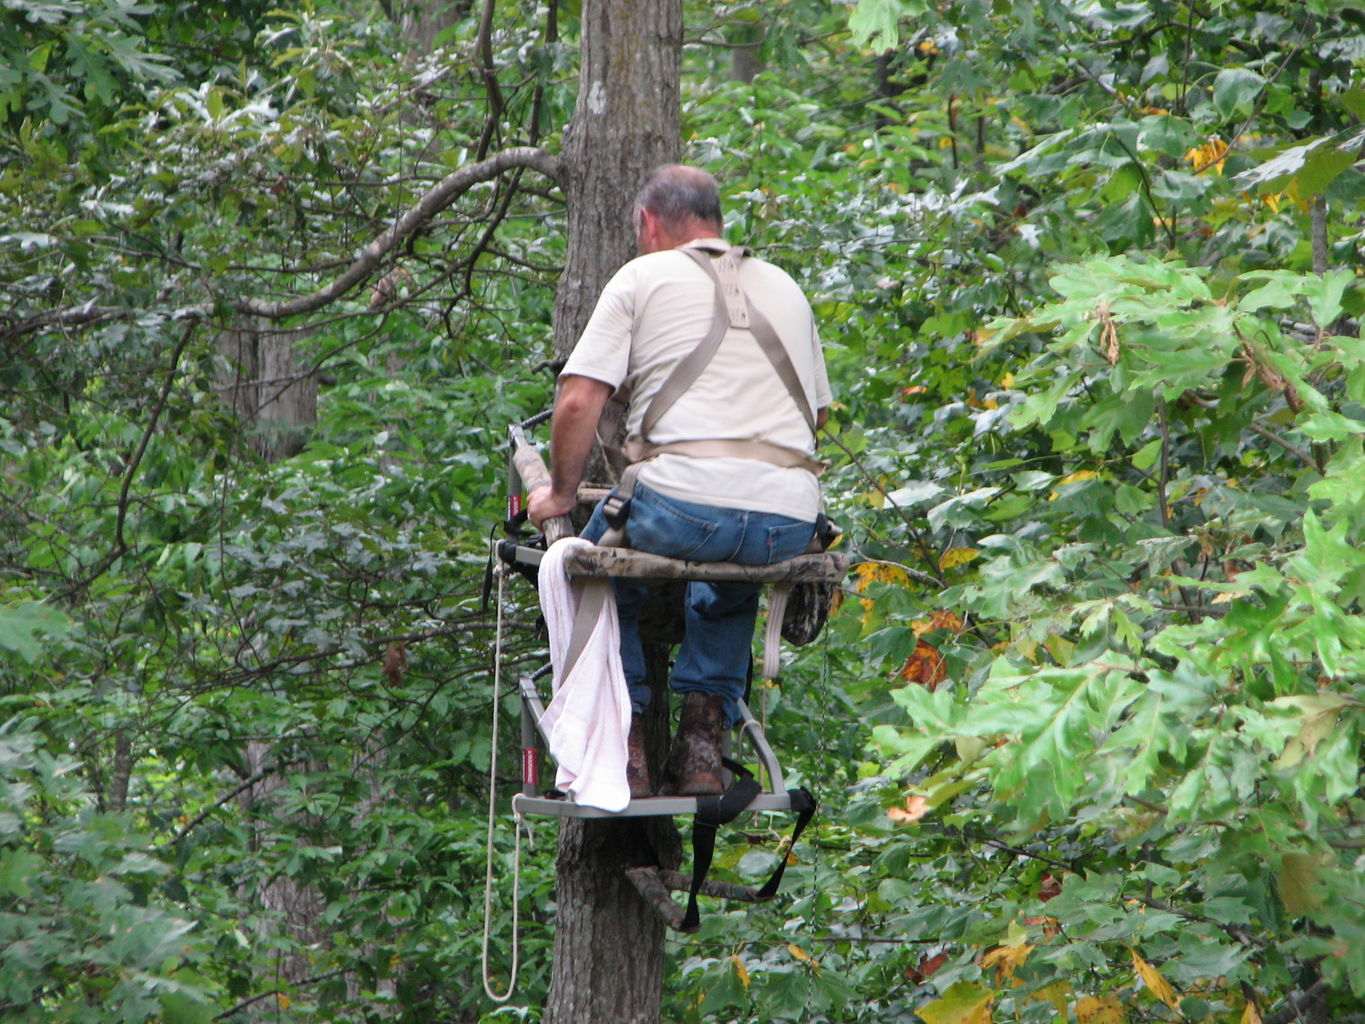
[(715, 811)]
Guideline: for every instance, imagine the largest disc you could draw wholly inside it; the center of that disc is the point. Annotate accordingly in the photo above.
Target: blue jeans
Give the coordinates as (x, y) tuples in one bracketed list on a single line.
[(719, 617)]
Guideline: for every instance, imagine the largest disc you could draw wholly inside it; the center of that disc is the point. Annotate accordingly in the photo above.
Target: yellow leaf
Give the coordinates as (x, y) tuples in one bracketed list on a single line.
[(802, 955), (1058, 993), (940, 619), (283, 1000), (963, 1003), (1156, 984), (1079, 475), (1212, 154), (741, 972), (868, 604), (1093, 1010), (954, 557), (878, 572), (1007, 381), (1251, 1015), (1007, 958)]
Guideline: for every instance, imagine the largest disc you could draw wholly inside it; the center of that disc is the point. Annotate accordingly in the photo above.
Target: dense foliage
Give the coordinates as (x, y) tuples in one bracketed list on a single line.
[(1088, 726)]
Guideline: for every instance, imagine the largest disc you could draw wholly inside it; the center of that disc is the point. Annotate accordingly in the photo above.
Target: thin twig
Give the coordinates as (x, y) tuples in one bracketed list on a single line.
[(924, 551), (228, 797), (233, 1010)]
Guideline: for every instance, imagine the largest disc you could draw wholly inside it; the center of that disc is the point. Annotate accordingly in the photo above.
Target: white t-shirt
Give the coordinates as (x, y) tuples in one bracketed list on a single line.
[(652, 313)]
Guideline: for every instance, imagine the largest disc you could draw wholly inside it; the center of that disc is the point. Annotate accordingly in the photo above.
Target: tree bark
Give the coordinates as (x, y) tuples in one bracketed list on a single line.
[(608, 956), (268, 389), (626, 123), (422, 21), (746, 57)]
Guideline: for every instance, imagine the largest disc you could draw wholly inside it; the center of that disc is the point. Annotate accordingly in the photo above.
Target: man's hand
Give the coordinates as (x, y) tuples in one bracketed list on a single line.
[(543, 504), (572, 432)]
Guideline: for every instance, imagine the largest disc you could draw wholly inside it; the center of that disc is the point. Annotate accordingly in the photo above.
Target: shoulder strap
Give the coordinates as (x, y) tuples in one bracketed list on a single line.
[(732, 308), (725, 273), (690, 368)]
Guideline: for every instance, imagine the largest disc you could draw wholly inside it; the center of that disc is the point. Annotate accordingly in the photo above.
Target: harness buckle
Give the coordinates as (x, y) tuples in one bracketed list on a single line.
[(616, 510)]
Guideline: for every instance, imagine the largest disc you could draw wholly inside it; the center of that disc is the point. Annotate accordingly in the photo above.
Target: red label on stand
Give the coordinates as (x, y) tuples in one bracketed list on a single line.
[(513, 505), (530, 766)]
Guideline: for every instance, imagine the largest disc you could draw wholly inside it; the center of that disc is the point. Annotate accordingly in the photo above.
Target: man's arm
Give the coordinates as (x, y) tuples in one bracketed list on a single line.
[(572, 432)]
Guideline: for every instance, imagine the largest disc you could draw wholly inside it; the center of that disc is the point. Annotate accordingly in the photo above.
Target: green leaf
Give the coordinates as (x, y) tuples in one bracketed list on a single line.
[(880, 20), (963, 1003), (1309, 167), (23, 624), (1235, 90)]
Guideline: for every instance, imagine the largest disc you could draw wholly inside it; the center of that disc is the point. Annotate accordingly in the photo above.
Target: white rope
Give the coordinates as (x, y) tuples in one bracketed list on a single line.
[(492, 818)]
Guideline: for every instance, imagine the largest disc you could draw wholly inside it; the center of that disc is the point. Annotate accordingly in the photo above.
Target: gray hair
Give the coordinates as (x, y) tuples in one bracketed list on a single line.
[(677, 193)]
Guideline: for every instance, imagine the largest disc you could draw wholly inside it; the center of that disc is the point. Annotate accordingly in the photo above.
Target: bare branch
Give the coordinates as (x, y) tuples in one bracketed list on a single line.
[(433, 202), (72, 316)]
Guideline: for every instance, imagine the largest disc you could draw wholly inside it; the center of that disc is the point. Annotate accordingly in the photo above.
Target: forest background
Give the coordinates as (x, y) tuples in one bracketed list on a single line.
[(1087, 728)]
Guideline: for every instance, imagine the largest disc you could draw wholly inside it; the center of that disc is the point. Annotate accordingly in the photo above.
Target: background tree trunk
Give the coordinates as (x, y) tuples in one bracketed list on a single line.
[(269, 388), (746, 57), (421, 21), (608, 957)]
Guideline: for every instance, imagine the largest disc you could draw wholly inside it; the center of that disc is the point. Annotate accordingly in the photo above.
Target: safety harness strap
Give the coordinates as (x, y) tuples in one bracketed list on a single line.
[(713, 812), (742, 448), (732, 308), (725, 273)]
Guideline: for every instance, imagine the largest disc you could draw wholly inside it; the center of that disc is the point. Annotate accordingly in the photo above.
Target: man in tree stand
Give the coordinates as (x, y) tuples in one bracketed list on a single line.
[(718, 354)]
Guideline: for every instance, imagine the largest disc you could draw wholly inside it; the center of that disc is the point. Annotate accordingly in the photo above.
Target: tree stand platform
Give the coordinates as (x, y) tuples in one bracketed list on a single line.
[(743, 793), (624, 562)]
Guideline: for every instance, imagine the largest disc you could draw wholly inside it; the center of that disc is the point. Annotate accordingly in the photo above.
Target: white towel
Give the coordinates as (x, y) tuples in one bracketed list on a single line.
[(588, 719)]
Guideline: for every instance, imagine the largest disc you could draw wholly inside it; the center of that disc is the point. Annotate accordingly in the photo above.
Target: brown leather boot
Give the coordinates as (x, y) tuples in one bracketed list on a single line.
[(694, 767), (637, 763)]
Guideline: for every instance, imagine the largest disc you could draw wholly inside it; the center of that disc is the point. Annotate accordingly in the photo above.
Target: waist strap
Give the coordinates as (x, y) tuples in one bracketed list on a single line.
[(760, 451)]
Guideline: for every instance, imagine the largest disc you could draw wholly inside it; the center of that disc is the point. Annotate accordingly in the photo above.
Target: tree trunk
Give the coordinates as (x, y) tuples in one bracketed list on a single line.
[(276, 401), (608, 956), (269, 389), (626, 123), (746, 55), (422, 21)]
